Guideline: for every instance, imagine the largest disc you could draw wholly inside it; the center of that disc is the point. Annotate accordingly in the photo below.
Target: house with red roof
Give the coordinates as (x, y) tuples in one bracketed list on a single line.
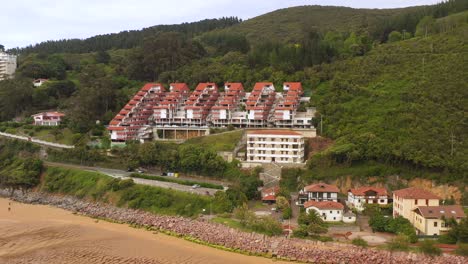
[(223, 113), (405, 201), (269, 194), (39, 82), (199, 104), (170, 109), (280, 146), (358, 197), (329, 211), (318, 192), (48, 118), (259, 104)]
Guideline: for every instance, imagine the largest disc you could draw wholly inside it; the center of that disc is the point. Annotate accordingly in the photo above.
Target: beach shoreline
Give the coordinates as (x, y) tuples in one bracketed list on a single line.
[(218, 236)]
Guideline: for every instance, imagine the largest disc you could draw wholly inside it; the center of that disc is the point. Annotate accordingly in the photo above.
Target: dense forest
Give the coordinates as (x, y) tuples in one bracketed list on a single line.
[(390, 84)]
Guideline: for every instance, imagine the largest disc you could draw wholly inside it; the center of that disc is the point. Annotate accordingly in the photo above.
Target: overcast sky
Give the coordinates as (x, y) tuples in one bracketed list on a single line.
[(25, 22)]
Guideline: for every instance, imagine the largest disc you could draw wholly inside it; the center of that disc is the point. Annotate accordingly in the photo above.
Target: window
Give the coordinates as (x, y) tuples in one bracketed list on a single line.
[(334, 218), (331, 212), (382, 201), (416, 202), (435, 224)]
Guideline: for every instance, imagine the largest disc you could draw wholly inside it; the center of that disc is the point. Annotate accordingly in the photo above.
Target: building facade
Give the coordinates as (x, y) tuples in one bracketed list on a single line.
[(329, 211), (280, 146), (7, 65), (405, 201), (48, 118), (359, 197), (318, 192), (434, 220), (207, 106)]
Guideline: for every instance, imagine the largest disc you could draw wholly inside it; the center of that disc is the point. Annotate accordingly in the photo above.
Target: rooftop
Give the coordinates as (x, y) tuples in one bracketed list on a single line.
[(323, 205), (321, 187), (363, 190), (415, 193), (274, 132), (436, 212)]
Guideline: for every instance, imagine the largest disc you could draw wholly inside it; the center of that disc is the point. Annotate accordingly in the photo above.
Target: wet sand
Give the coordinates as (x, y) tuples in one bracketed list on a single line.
[(44, 234)]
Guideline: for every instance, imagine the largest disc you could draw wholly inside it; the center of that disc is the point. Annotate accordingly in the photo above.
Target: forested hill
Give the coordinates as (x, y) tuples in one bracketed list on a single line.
[(393, 91), (125, 39), (402, 102)]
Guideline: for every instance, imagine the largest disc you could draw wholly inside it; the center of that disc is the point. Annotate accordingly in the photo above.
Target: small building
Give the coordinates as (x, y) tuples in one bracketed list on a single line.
[(406, 200), (39, 82), (349, 217), (319, 192), (358, 197), (269, 194), (7, 65), (48, 118), (433, 220), (328, 210), (281, 146)]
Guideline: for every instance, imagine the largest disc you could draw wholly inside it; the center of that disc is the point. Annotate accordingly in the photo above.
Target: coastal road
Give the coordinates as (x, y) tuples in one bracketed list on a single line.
[(121, 174), (37, 141)]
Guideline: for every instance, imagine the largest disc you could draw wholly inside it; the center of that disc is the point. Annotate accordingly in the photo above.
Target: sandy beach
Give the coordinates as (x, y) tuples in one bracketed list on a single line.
[(44, 234)]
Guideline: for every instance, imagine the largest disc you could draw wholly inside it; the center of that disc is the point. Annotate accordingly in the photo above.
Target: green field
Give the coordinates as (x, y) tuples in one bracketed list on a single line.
[(218, 142)]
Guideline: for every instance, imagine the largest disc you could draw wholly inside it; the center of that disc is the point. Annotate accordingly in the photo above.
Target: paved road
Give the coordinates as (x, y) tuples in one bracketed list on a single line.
[(41, 142), (126, 175)]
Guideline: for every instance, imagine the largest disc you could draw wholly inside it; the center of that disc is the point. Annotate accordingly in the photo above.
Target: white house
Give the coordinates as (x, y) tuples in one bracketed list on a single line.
[(358, 197), (349, 217), (318, 192), (328, 210), (48, 118), (39, 82)]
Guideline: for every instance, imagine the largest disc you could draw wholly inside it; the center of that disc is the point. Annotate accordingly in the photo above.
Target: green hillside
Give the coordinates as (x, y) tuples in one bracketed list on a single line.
[(403, 102)]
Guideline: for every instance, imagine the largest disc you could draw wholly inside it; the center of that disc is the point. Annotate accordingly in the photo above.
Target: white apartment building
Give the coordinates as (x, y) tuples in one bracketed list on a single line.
[(281, 146), (7, 65)]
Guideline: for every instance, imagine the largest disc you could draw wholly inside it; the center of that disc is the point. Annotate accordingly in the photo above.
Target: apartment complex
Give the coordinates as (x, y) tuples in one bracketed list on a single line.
[(153, 107), (281, 146), (7, 65)]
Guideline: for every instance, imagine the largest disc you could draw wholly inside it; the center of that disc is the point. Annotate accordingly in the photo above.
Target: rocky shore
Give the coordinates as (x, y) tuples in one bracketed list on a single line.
[(222, 236)]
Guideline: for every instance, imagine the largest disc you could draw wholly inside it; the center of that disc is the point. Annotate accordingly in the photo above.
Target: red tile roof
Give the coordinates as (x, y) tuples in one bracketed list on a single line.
[(269, 198), (415, 193), (436, 212), (321, 187), (274, 132), (49, 114), (362, 191), (323, 205), (275, 190)]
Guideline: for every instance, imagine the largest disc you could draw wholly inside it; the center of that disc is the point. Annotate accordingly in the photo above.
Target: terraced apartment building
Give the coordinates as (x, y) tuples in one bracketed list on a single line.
[(155, 108)]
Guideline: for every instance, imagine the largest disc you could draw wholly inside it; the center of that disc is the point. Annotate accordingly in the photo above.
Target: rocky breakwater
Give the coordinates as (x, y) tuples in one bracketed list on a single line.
[(220, 235)]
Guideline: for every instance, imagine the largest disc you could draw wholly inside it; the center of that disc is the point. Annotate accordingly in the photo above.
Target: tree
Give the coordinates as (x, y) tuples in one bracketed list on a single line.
[(282, 203), (102, 56), (244, 215), (425, 26), (15, 97), (312, 222), (394, 36)]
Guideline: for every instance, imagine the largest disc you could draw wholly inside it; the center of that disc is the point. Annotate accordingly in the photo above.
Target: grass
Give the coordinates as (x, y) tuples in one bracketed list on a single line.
[(175, 180), (226, 141), (123, 193), (233, 223)]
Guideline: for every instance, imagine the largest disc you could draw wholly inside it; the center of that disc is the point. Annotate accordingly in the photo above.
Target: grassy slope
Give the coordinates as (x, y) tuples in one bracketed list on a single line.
[(402, 101), (289, 24), (219, 142), (99, 187)]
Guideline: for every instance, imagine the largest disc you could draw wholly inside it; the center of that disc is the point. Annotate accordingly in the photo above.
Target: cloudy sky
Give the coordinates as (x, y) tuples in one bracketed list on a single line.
[(25, 22)]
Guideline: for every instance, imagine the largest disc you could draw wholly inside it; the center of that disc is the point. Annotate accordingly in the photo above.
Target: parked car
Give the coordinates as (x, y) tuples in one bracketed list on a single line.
[(195, 186), (140, 171)]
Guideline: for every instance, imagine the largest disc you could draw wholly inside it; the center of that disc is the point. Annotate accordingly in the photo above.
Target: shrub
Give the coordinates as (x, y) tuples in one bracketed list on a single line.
[(124, 184), (359, 242), (399, 243), (428, 247), (462, 250), (287, 213)]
